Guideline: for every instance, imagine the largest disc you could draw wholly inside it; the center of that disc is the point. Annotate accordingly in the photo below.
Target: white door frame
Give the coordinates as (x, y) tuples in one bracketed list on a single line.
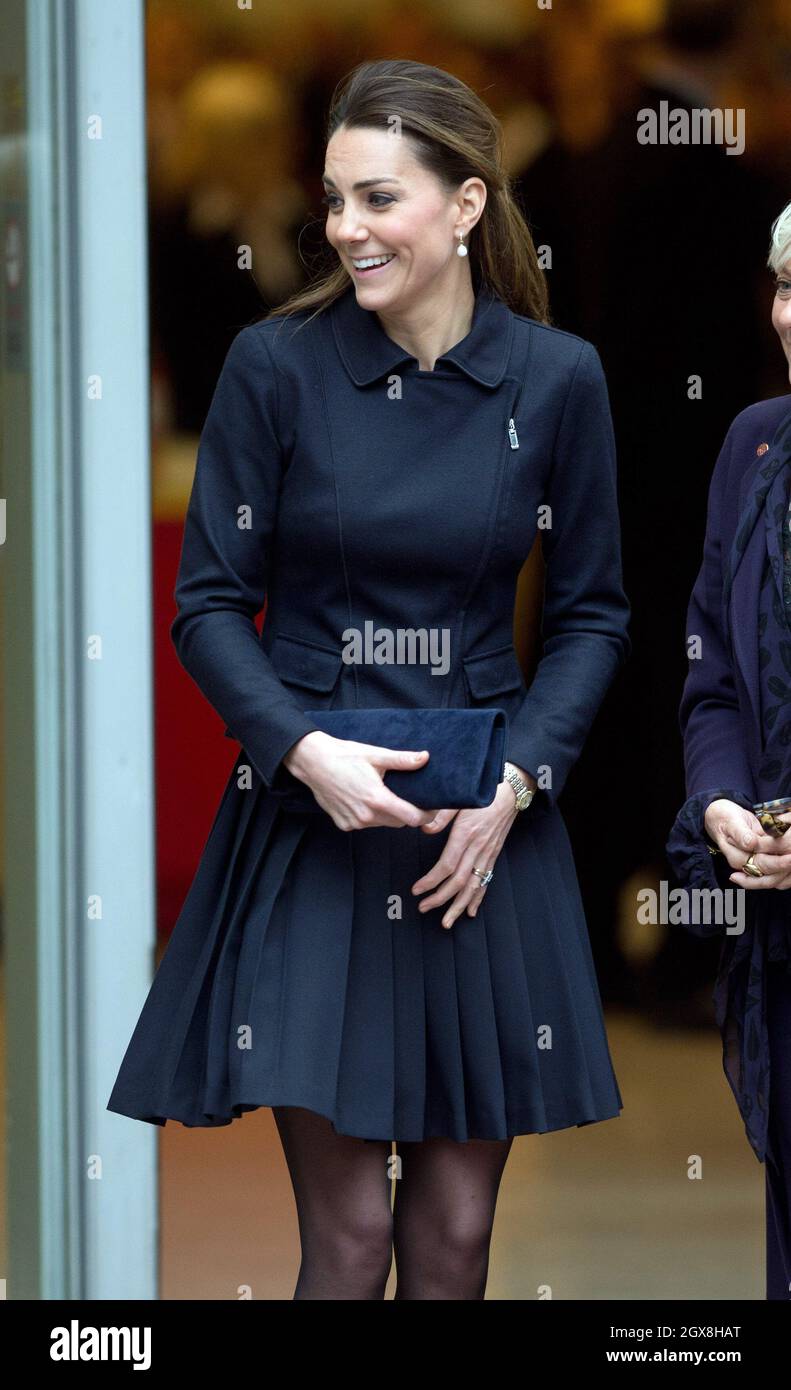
[(79, 908)]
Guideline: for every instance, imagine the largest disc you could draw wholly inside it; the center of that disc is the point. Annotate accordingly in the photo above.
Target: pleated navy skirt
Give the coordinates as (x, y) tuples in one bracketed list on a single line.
[(300, 972)]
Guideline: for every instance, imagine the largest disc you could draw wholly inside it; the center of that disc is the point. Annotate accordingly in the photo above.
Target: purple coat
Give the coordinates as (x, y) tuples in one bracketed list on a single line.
[(720, 719)]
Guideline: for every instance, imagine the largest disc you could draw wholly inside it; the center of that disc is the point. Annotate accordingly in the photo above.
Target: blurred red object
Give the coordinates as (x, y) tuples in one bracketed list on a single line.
[(193, 757)]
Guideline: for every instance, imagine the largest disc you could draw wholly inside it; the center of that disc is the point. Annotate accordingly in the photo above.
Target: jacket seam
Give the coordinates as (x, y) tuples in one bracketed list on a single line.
[(261, 340), (338, 518), (562, 420), (726, 542), (550, 328)]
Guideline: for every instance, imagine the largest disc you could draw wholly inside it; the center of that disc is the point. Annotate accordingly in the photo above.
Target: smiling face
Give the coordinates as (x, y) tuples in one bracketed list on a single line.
[(383, 205), (781, 310)]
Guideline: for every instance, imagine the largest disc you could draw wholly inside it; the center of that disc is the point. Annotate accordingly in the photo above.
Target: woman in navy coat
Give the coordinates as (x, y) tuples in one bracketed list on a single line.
[(378, 459), (736, 721)]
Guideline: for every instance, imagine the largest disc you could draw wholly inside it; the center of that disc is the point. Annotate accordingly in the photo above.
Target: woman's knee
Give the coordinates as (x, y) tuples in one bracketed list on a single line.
[(362, 1242), (456, 1237)]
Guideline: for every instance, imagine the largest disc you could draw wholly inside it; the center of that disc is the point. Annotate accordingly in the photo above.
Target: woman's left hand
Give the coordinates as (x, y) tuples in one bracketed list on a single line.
[(475, 841)]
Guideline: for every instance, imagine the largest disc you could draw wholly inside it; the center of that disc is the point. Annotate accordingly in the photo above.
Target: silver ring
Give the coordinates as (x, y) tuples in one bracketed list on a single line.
[(484, 877)]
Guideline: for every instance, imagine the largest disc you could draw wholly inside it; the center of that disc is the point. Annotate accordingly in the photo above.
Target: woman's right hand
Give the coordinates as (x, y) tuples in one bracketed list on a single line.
[(346, 780), (738, 833)]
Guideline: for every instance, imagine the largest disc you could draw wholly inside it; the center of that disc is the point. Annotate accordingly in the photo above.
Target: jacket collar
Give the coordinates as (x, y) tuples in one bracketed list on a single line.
[(368, 353)]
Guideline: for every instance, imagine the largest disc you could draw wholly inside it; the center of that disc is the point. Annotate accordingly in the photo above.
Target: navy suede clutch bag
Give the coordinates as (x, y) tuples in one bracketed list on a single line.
[(466, 754)]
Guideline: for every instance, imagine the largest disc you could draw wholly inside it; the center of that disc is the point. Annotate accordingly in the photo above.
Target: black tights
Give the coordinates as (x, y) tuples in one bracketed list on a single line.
[(439, 1226)]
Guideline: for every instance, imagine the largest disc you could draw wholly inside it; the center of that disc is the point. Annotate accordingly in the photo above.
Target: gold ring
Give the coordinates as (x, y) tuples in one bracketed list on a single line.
[(750, 867)]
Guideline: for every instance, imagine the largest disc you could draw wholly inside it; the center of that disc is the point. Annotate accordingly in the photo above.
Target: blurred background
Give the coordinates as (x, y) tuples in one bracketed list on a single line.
[(658, 256)]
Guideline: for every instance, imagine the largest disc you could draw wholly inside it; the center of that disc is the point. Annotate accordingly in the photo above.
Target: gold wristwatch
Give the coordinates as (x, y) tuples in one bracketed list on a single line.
[(524, 794)]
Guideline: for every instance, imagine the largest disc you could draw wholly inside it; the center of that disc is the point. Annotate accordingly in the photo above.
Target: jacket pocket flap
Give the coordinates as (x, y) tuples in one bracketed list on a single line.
[(299, 662), (492, 673)]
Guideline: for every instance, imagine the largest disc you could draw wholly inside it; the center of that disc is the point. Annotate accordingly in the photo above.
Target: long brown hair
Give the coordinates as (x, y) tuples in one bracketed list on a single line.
[(454, 135)]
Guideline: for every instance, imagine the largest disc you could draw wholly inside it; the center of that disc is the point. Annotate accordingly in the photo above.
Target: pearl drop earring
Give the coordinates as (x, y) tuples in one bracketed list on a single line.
[(461, 249)]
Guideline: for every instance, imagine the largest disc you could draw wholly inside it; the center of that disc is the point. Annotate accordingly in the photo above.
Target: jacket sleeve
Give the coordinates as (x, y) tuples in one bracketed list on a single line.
[(225, 559), (715, 759), (585, 613), (709, 716)]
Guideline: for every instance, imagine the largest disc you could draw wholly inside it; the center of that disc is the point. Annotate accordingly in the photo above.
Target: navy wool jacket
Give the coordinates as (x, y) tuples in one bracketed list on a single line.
[(720, 720), (719, 714), (355, 491)]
